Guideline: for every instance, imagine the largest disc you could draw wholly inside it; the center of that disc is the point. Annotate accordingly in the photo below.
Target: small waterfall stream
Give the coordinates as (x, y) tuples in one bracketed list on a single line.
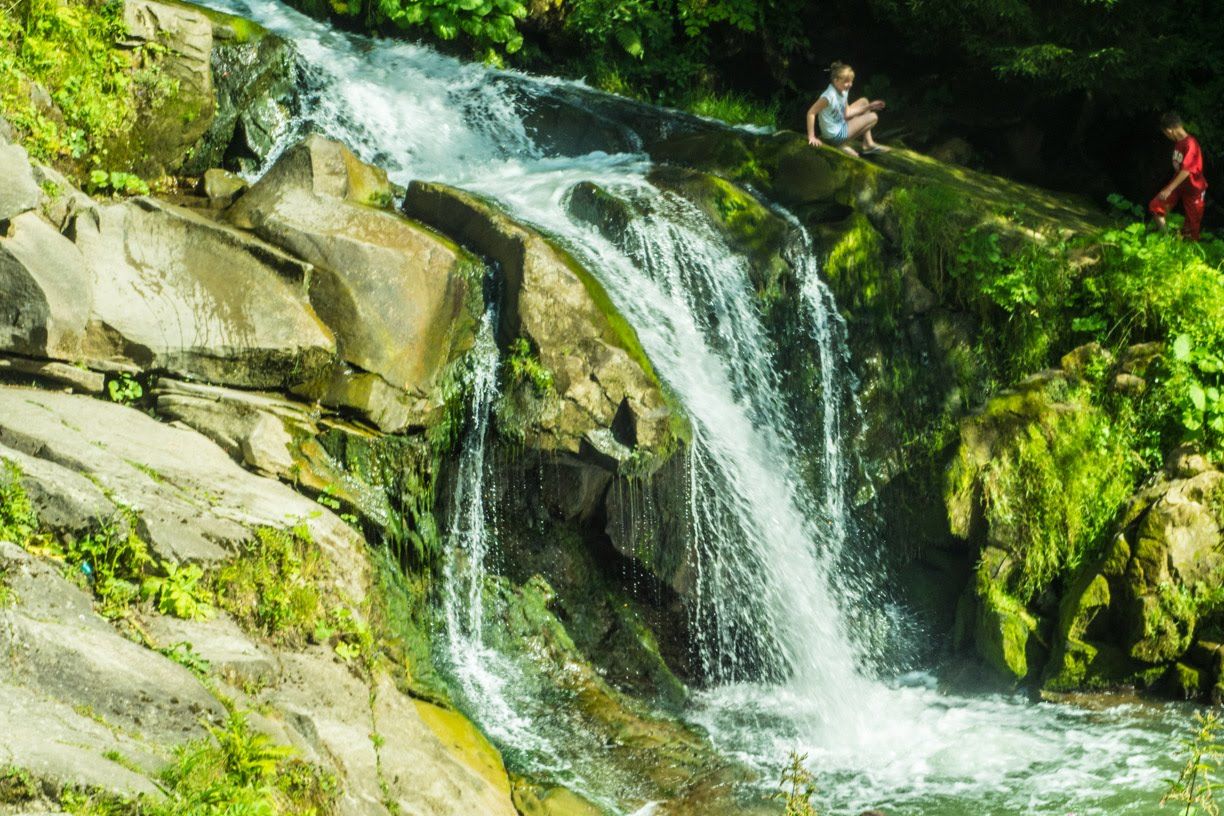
[(770, 606)]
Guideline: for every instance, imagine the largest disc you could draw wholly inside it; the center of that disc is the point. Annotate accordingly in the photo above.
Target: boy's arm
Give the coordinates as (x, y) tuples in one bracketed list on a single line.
[(1181, 176), (812, 113)]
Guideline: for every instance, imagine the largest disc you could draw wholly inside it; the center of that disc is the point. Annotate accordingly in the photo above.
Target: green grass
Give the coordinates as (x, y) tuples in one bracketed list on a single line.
[(733, 108)]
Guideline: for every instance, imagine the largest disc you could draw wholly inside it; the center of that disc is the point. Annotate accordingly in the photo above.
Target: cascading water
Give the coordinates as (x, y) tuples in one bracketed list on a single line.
[(482, 672), (772, 630)]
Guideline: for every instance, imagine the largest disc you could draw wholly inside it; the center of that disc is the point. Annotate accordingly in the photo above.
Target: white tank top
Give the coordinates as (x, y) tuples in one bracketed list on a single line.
[(833, 117)]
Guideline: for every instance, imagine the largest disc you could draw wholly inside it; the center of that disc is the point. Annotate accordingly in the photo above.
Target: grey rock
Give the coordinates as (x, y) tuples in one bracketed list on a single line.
[(62, 202), (19, 191), (44, 291), (424, 773), (51, 741), (599, 370), (66, 501), (171, 124), (402, 302), (222, 186), (55, 643), (219, 641), (193, 502), (176, 291), (78, 379)]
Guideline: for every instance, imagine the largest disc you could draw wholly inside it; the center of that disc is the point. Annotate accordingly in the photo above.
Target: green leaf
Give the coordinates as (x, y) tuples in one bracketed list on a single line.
[(1181, 347), (631, 41), (1198, 398)]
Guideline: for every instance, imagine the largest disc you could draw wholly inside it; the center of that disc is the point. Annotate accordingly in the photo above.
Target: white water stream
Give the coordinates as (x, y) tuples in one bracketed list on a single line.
[(766, 550)]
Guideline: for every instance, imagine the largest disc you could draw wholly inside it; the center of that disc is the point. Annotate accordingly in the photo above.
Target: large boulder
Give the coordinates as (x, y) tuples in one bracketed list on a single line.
[(605, 397), (19, 190), (54, 642), (45, 291), (254, 84), (403, 301), (167, 122), (666, 760), (1142, 606), (178, 292)]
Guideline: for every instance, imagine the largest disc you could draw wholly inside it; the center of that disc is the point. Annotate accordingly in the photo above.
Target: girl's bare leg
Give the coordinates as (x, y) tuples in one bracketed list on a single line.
[(857, 108), (861, 125)]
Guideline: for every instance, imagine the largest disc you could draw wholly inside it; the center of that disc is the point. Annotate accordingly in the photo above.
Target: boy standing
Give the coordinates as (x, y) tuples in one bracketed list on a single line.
[(1188, 185)]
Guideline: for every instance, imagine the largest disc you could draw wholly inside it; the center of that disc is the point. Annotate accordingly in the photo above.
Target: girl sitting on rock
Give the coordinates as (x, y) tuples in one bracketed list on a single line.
[(840, 122)]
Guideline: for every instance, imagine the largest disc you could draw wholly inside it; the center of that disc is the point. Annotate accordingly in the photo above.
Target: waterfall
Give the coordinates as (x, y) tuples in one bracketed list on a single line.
[(770, 607)]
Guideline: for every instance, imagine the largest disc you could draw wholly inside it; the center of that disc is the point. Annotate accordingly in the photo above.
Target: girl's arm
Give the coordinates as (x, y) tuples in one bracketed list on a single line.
[(812, 113)]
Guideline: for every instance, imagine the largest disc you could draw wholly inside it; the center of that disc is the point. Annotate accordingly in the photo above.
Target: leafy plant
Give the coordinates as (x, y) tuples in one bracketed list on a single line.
[(1202, 409), (179, 592), (113, 561), (123, 387), (327, 497), (797, 787), (272, 587), (238, 770), (523, 366), (18, 521), (17, 785), (117, 182), (1194, 784), (186, 656)]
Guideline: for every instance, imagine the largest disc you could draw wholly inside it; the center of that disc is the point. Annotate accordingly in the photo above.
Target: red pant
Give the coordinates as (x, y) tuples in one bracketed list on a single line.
[(1192, 205)]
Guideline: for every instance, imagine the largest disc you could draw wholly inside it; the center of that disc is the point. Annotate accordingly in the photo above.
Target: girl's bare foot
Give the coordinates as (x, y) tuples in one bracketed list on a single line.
[(849, 151)]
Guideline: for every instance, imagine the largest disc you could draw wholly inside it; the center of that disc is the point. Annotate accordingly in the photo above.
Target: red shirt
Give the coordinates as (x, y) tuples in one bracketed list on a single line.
[(1188, 156)]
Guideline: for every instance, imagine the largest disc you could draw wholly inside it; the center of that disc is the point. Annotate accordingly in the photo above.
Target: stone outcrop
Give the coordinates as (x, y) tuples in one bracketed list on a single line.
[(1150, 600), (403, 301), (255, 90), (88, 462), (87, 706), (178, 292), (605, 397)]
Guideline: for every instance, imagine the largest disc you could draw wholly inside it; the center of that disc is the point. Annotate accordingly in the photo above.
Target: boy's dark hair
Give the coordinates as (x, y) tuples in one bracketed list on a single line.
[(1170, 120)]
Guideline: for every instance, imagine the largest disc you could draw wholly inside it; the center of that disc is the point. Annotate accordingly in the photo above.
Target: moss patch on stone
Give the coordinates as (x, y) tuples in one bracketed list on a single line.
[(465, 742)]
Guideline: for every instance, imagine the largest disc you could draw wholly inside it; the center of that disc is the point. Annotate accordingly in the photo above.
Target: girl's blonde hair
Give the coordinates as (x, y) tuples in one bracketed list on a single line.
[(838, 68)]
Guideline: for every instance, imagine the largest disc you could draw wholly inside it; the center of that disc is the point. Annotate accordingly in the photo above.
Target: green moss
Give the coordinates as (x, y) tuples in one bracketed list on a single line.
[(1185, 682), (854, 265), (1004, 628), (245, 30), (1049, 473), (403, 622)]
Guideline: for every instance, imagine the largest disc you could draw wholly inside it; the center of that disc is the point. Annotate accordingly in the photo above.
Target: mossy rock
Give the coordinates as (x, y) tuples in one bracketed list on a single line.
[(1185, 682), (660, 758), (466, 743), (1005, 631), (867, 288), (537, 800), (1082, 665), (747, 226)]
